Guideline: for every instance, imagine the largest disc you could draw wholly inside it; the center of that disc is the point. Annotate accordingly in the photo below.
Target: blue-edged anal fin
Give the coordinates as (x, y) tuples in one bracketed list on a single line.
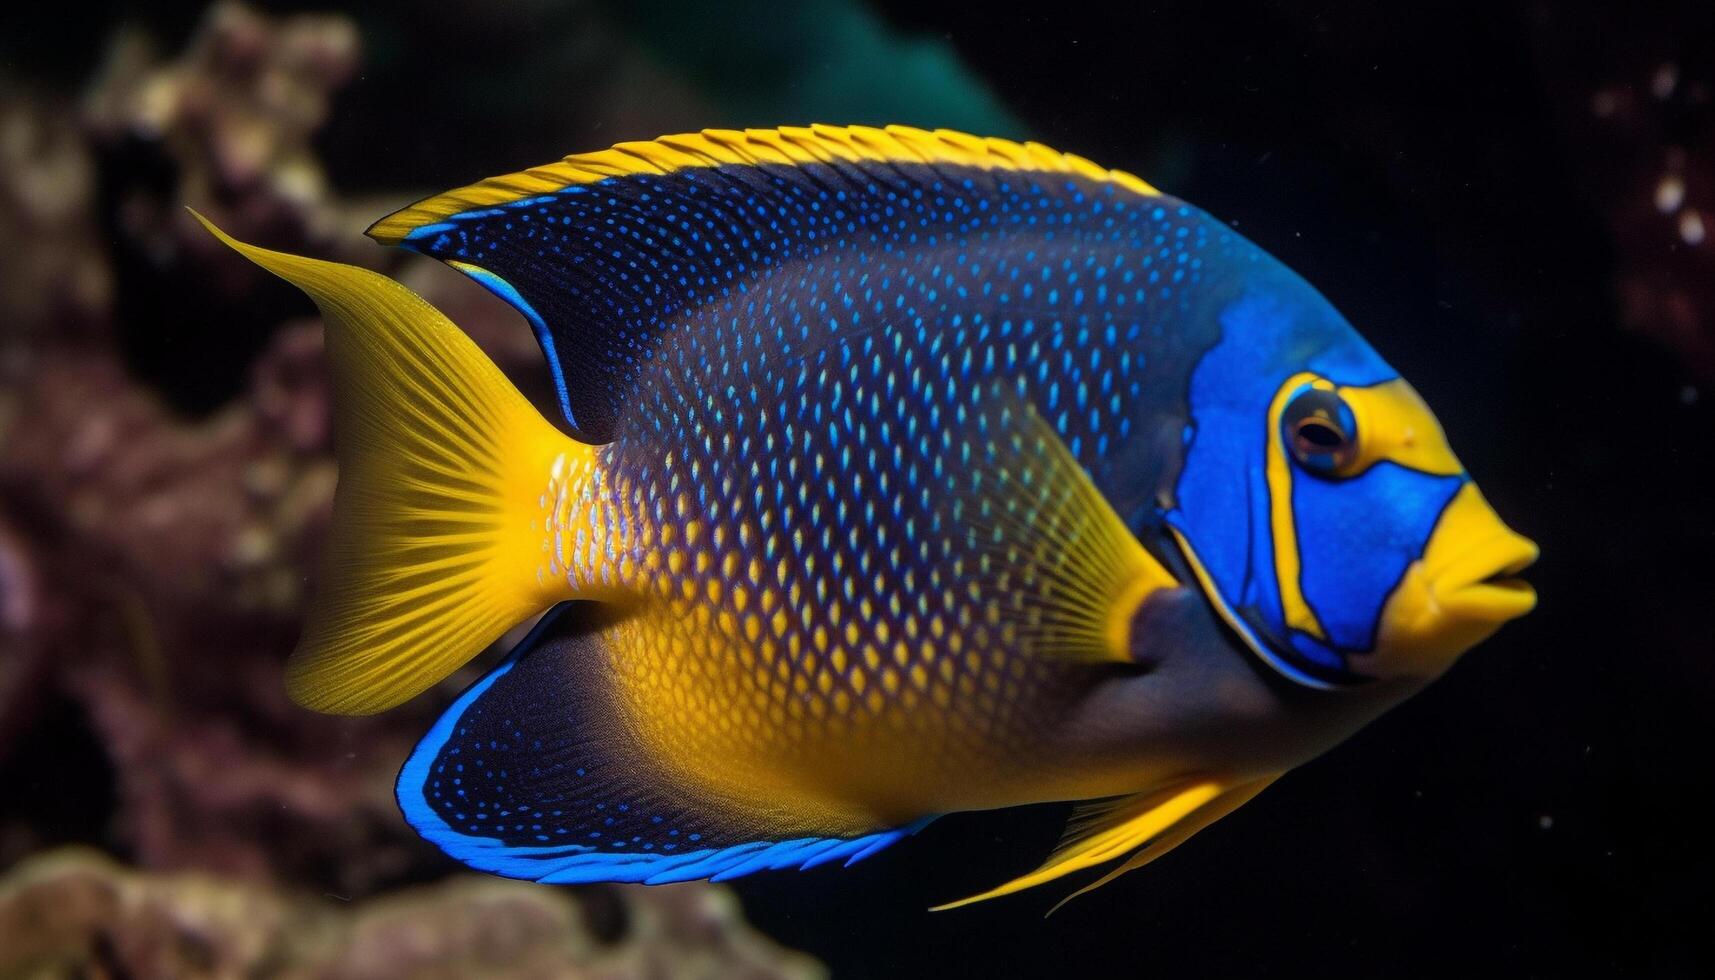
[(531, 774), (1146, 825)]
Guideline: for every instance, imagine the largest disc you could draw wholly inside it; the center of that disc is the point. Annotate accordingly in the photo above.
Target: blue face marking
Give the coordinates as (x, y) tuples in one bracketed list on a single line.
[(1355, 539), (1361, 533), (1218, 504)]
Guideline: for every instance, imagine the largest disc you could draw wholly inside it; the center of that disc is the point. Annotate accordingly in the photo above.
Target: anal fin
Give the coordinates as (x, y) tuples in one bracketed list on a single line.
[(1147, 824), (528, 775)]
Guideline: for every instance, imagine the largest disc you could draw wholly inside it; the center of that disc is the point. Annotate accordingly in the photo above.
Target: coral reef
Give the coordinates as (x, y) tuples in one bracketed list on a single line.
[(233, 116), (155, 554), (155, 565), (165, 557), (72, 912)]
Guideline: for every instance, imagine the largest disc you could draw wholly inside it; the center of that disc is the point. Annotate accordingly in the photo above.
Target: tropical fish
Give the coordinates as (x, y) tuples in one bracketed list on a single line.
[(907, 473)]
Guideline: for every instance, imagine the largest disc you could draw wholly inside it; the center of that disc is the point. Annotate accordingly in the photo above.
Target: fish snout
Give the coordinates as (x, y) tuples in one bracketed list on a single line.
[(1463, 588)]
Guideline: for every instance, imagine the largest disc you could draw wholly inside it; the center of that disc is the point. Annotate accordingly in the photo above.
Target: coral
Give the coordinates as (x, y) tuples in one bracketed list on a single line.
[(1640, 116), (76, 912), (228, 123), (153, 563), (47, 191), (170, 561), (153, 568)]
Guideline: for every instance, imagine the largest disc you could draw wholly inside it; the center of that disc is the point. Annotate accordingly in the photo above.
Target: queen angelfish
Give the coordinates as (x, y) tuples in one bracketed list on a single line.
[(913, 473)]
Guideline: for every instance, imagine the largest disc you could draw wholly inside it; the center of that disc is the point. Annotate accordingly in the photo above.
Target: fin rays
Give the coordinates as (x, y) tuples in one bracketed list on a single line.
[(1148, 825), (1043, 536), (437, 528), (786, 146)]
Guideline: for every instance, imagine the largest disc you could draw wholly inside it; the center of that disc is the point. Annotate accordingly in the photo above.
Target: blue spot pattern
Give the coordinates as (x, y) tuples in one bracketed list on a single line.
[(784, 352), (1097, 300), (509, 781)]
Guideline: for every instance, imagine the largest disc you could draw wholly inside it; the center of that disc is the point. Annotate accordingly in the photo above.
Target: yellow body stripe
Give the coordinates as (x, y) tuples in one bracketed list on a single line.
[(1287, 566), (789, 145)]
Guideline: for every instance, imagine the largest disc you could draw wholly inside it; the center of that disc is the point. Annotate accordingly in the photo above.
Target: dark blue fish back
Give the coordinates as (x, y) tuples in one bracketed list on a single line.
[(1095, 297)]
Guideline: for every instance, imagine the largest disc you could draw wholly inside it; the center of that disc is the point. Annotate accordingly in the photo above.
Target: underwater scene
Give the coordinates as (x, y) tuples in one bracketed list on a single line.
[(583, 488)]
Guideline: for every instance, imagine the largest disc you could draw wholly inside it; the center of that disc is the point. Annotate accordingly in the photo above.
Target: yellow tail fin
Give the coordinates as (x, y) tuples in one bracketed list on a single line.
[(439, 530)]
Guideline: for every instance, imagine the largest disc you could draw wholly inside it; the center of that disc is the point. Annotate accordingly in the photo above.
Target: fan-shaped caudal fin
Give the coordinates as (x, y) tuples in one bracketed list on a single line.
[(440, 521), (1147, 824)]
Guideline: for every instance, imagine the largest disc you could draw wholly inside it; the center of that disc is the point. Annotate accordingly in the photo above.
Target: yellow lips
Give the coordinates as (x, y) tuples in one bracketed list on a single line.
[(1457, 594), (1479, 583)]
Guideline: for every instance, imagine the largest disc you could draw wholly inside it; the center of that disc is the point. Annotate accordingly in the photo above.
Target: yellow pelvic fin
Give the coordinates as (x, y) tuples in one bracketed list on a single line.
[(1062, 572), (1156, 822), (787, 145), (439, 529)]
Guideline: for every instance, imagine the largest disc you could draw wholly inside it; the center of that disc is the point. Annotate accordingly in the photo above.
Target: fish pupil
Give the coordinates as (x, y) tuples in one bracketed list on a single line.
[(1319, 429), (1320, 435)]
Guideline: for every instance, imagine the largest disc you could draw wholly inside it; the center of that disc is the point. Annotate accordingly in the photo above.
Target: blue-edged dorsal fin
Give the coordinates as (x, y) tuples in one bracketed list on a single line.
[(603, 251), (527, 776)]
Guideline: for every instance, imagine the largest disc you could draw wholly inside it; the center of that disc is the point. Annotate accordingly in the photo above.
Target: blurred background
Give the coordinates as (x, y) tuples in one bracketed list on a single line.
[(1512, 199)]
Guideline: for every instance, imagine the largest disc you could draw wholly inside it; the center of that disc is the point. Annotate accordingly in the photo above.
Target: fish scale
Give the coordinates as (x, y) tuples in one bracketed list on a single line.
[(814, 636), (802, 367)]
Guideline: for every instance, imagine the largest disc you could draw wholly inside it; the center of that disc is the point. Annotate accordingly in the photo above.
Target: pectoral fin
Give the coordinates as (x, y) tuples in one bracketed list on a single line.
[(1147, 824), (1066, 574)]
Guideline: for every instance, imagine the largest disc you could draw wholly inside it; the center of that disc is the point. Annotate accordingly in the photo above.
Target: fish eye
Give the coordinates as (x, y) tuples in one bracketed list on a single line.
[(1320, 432)]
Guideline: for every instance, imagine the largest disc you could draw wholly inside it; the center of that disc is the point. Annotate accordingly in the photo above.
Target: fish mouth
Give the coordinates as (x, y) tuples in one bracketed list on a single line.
[(1463, 588), (1483, 582)]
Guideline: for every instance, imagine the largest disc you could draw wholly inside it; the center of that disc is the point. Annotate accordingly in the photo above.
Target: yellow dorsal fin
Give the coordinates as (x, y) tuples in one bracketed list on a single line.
[(787, 145), (1156, 821), (439, 533)]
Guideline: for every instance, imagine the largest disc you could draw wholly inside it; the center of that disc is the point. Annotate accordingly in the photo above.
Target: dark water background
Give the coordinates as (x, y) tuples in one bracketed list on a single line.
[(1474, 185)]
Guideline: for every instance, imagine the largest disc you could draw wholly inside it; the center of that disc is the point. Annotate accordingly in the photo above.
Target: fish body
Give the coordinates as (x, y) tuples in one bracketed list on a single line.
[(913, 473)]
